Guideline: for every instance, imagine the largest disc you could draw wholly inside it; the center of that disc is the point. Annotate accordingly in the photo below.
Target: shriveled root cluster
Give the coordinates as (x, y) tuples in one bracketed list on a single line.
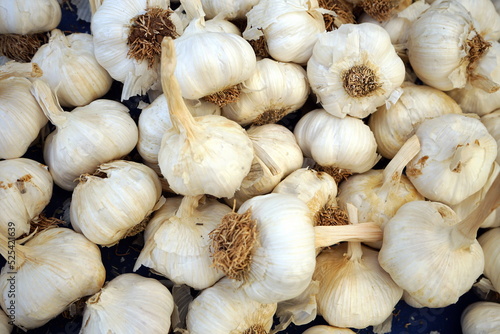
[(380, 10), (260, 47), (226, 96), (21, 48), (477, 48), (338, 174), (232, 243), (360, 81), (331, 216), (344, 13), (255, 329), (271, 116), (43, 222)]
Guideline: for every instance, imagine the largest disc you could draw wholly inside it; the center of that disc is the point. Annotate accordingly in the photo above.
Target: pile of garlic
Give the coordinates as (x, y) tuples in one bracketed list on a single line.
[(268, 165)]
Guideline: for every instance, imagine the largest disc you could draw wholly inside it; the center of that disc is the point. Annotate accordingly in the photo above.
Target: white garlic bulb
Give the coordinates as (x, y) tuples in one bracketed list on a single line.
[(27, 17), (53, 269), (154, 120), (270, 265), (393, 124), (85, 137), (5, 323), (129, 303), (492, 123), (200, 155), (346, 143), (177, 243), (475, 100), (486, 17), (277, 154), (455, 159), (22, 117), (324, 329), (355, 69), (481, 318), (350, 274), (112, 203), (127, 36), (71, 69), (25, 189), (489, 241), (290, 28), (223, 308), (231, 8), (449, 59), (274, 90)]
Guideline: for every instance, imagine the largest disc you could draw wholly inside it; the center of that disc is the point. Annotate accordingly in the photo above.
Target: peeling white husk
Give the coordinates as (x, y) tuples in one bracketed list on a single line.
[(343, 56), (345, 143), (492, 123), (232, 9), (71, 69), (489, 241), (481, 317), (129, 303), (275, 88), (177, 242), (53, 269), (5, 323), (290, 28), (85, 137), (28, 17), (26, 189), (106, 208)]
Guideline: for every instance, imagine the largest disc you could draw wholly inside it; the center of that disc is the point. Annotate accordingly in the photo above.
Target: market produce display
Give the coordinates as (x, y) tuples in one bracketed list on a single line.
[(250, 166)]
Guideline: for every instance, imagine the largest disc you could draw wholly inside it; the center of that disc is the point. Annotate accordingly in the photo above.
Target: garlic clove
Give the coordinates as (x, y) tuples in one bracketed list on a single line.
[(481, 317), (129, 303)]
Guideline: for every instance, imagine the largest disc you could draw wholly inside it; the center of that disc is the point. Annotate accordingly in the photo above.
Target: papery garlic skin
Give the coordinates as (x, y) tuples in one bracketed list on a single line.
[(289, 28), (492, 123), (5, 325), (22, 117), (223, 308), (323, 329), (26, 189), (345, 143), (177, 242), (71, 69), (107, 208), (233, 9), (354, 69), (28, 17), (489, 241), (455, 159), (61, 266), (424, 254), (393, 124), (129, 303), (347, 278), (274, 90), (481, 318)]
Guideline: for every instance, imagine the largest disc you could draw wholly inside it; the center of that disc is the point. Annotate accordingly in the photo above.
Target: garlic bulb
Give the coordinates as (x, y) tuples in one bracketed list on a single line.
[(22, 117), (355, 69), (378, 194), (53, 269), (393, 124), (251, 247), (489, 241), (154, 120), (231, 8), (273, 91), (289, 28), (323, 329), (127, 36), (112, 203), (350, 274), (5, 323), (177, 241), (277, 154), (455, 159), (71, 69), (486, 17), (203, 155), (492, 123), (85, 137), (345, 143), (433, 255), (223, 308), (25, 189), (449, 59), (481, 318), (129, 303)]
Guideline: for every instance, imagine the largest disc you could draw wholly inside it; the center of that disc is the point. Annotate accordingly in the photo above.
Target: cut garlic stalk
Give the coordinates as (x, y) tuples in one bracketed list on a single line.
[(129, 303), (52, 270), (25, 189), (490, 242), (203, 155), (481, 317), (115, 202), (85, 137), (432, 255)]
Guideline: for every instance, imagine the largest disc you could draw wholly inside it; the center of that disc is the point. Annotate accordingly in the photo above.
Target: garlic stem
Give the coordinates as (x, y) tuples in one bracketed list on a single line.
[(326, 236), (266, 159), (394, 169), (469, 226), (188, 205), (180, 116), (354, 251), (48, 102), (15, 69), (12, 252), (462, 155), (194, 10)]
